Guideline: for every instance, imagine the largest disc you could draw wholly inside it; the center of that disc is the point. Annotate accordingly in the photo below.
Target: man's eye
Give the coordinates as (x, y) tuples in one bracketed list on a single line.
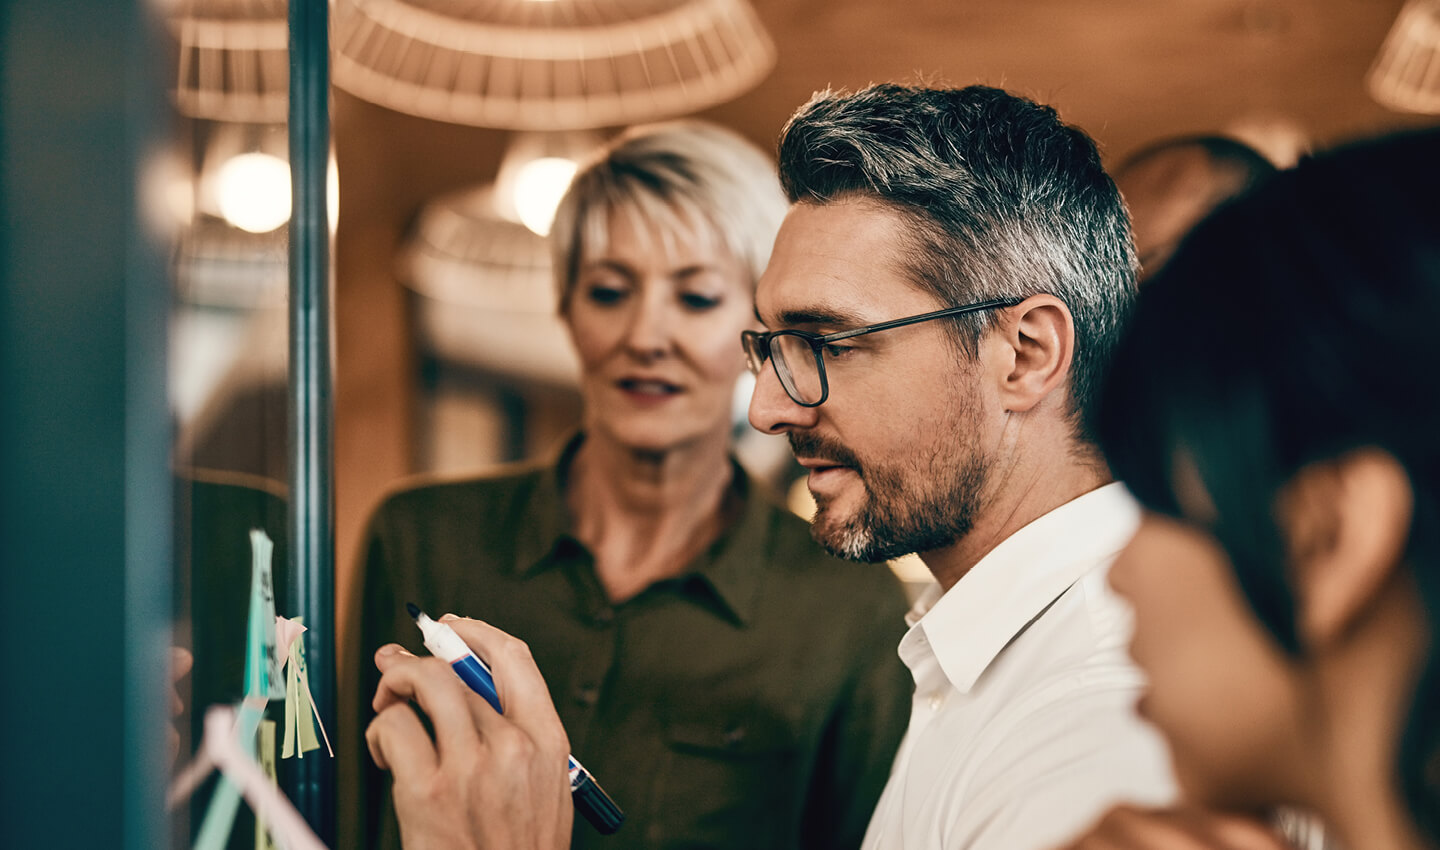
[(835, 352), (696, 301), (602, 294)]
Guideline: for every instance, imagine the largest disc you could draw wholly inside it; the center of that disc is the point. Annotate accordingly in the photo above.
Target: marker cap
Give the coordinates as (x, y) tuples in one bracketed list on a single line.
[(597, 807)]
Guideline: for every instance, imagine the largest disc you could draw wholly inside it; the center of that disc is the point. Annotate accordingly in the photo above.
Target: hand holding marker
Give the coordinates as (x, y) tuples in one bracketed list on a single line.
[(590, 799)]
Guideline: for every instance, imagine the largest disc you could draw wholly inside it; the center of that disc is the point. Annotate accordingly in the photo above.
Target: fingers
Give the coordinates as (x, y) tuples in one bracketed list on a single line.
[(1126, 828), (399, 743), (386, 657), (521, 687), (486, 780), (181, 660), (437, 690), (1242, 833)]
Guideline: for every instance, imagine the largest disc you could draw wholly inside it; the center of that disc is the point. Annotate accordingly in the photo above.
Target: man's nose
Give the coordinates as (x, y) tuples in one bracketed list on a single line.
[(772, 410)]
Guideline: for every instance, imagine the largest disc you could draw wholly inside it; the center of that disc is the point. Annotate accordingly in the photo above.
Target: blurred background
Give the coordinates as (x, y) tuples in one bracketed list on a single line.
[(451, 129), (446, 357)]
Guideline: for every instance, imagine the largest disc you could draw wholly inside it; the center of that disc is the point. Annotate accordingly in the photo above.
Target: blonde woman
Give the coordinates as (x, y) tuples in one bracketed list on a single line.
[(729, 684)]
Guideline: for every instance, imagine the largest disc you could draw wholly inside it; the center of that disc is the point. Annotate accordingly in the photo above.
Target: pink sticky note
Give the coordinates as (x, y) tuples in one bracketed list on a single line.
[(285, 633)]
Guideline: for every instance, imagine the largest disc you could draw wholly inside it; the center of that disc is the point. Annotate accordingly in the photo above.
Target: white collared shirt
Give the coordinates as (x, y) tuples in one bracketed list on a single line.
[(1023, 729)]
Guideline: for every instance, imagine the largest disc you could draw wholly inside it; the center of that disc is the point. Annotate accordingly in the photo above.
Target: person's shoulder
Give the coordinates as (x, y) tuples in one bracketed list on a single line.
[(431, 493), (1062, 760), (1074, 709)]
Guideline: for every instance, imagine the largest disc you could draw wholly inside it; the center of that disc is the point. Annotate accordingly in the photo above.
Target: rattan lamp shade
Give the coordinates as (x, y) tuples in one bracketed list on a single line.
[(1406, 74), (483, 294), (559, 65), (234, 60)]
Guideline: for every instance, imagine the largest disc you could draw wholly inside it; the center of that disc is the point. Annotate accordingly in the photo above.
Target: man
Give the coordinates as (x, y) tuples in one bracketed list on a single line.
[(957, 434)]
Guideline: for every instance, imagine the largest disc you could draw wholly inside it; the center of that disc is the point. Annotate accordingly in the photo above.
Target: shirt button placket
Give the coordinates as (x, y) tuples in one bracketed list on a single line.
[(601, 656)]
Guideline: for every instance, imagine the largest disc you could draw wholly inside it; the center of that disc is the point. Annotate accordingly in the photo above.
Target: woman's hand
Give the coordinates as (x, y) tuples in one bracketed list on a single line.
[(1181, 828), (485, 780)]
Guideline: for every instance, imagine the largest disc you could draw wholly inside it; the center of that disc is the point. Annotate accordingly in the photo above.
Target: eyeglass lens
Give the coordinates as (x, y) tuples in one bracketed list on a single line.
[(797, 365)]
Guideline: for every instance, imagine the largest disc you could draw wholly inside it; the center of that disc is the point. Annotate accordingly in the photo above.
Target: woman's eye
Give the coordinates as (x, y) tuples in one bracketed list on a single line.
[(696, 301), (603, 294)]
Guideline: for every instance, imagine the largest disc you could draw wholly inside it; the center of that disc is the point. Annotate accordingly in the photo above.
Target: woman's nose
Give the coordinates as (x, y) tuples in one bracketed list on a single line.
[(650, 327)]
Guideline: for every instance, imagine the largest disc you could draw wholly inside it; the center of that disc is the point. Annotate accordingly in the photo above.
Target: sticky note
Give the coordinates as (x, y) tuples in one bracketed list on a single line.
[(265, 744), (262, 659)]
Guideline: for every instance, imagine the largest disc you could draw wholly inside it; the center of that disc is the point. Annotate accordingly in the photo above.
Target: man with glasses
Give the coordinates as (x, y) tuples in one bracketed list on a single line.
[(941, 299), (940, 302)]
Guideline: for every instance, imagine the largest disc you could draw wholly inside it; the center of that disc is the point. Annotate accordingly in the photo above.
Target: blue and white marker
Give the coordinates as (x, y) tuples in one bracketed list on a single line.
[(590, 799)]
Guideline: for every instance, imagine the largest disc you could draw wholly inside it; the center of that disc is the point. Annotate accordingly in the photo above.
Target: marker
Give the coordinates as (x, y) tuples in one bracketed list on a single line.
[(590, 799)]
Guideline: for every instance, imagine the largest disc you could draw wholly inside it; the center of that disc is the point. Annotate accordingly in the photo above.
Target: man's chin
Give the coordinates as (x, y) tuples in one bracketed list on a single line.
[(844, 538)]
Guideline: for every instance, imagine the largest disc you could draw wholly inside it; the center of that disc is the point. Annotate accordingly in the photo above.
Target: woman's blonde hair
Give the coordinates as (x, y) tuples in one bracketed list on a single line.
[(687, 176)]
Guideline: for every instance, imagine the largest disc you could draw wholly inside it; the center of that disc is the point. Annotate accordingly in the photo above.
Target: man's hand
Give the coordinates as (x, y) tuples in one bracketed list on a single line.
[(1126, 828), (486, 781)]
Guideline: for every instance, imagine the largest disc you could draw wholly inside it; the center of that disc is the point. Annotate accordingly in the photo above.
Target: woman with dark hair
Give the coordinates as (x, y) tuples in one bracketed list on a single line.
[(1275, 408)]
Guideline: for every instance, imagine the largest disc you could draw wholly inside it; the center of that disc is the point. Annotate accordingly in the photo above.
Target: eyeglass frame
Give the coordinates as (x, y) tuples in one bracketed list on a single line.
[(818, 341)]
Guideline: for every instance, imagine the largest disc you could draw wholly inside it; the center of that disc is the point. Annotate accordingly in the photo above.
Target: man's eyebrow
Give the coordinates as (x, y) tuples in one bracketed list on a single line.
[(821, 316), (831, 316)]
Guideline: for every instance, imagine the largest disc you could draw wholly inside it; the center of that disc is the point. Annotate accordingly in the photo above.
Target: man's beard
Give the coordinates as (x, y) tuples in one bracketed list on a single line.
[(919, 505)]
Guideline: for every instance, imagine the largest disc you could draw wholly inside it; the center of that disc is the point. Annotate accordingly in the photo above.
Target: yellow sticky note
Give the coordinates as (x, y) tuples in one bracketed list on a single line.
[(292, 703), (305, 718), (265, 741)]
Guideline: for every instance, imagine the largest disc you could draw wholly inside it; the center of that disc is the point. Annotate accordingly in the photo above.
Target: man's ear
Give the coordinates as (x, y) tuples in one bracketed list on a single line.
[(1040, 341), (1347, 523)]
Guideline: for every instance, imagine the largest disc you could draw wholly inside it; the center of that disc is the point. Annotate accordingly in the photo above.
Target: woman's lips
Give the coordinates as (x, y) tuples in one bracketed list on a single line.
[(645, 390)]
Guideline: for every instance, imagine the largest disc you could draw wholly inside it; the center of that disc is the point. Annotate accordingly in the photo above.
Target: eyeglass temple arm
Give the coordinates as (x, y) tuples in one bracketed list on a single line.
[(815, 342)]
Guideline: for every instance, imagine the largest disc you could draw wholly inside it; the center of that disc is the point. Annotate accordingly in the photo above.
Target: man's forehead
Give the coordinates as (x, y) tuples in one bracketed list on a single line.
[(833, 264), (840, 265)]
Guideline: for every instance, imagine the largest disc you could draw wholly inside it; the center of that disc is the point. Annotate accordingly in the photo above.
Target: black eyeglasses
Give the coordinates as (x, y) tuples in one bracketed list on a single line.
[(802, 374)]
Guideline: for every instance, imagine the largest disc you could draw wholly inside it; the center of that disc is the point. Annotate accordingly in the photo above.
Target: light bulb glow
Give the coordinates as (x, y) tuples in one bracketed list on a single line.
[(253, 192), (539, 185)]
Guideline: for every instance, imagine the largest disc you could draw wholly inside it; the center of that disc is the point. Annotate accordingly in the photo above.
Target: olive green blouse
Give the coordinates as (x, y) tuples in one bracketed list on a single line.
[(755, 701)]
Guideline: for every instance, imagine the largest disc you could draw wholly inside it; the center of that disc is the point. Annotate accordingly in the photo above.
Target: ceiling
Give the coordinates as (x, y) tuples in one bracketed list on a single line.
[(1125, 70)]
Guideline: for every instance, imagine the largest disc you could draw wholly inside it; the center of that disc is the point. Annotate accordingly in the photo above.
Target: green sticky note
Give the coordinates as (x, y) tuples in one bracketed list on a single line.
[(262, 660)]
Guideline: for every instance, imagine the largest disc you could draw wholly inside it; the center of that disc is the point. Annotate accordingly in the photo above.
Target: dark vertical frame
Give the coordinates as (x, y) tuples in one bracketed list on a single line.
[(311, 781), (85, 494)]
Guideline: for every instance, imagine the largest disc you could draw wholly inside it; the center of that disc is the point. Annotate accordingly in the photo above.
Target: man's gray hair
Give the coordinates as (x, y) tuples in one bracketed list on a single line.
[(1000, 199), (687, 176)]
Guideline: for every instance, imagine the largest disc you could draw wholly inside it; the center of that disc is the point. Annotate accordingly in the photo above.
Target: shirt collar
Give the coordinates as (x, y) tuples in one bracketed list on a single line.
[(547, 516), (728, 572), (732, 568), (967, 626)]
